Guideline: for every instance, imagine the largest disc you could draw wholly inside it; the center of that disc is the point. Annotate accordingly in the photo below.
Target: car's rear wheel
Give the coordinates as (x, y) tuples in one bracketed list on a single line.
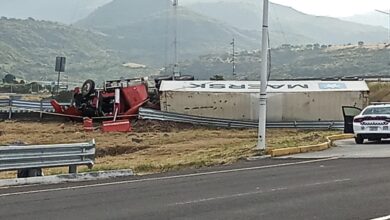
[(359, 139)]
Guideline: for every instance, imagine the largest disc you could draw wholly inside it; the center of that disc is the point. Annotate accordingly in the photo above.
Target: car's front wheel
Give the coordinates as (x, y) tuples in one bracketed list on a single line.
[(359, 139)]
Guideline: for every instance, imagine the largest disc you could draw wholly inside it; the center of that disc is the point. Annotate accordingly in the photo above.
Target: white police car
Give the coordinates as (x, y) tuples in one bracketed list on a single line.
[(372, 123)]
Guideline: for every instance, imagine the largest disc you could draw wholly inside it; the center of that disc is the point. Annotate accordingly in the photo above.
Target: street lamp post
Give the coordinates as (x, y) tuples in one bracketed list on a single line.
[(261, 143), (176, 70)]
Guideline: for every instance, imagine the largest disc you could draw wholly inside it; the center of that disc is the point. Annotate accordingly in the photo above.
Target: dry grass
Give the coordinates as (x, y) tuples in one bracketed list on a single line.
[(155, 147)]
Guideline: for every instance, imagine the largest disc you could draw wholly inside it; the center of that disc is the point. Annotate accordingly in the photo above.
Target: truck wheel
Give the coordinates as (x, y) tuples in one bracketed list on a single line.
[(359, 139), (88, 87)]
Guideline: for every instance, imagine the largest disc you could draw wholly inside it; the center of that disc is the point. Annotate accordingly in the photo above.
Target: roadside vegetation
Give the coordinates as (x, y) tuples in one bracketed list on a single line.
[(155, 147), (379, 91)]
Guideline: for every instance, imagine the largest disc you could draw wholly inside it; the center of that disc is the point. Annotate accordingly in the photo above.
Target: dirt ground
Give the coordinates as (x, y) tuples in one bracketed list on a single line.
[(155, 146)]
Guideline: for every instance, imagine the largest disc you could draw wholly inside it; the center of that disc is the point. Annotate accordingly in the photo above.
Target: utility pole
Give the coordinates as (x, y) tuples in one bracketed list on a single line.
[(176, 70), (261, 143), (234, 64), (58, 82)]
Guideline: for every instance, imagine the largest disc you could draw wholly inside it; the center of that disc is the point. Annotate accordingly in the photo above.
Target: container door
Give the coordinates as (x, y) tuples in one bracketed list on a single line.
[(349, 113)]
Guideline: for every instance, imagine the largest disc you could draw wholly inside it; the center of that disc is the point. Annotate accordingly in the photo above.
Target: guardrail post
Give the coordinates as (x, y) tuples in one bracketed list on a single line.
[(10, 108), (72, 169), (41, 109)]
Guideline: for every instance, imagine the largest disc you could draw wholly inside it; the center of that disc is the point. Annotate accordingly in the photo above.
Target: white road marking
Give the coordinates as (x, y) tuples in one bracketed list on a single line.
[(255, 192), (217, 198), (327, 182), (168, 177), (382, 218), (14, 187)]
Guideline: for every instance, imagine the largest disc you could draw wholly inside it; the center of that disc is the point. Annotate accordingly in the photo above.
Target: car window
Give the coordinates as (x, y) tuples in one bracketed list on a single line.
[(377, 111), (351, 111)]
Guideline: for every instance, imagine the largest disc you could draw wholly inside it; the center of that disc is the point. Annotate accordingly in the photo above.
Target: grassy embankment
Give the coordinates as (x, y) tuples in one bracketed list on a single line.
[(157, 147)]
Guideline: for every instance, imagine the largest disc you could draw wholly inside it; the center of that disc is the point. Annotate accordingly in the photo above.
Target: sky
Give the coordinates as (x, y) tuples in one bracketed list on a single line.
[(332, 8), (336, 8)]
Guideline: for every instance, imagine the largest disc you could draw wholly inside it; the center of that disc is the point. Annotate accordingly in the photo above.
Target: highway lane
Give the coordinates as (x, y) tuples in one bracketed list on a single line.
[(294, 189)]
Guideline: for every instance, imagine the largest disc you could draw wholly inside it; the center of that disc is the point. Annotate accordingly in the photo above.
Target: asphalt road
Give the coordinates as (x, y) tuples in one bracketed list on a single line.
[(348, 149), (265, 189)]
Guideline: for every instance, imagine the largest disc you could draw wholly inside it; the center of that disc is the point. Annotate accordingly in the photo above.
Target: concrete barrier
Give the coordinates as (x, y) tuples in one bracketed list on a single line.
[(310, 148)]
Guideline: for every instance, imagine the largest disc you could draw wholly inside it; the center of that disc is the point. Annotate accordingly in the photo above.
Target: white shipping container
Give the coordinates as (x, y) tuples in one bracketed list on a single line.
[(287, 100)]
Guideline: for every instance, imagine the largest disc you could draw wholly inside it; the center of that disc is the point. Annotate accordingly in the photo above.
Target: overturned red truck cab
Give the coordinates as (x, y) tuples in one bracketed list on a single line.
[(118, 98)]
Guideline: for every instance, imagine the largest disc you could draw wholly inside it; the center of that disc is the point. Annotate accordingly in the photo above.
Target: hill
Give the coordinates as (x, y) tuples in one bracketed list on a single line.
[(68, 11), (372, 18), (28, 49), (119, 13), (290, 23), (143, 30), (306, 61)]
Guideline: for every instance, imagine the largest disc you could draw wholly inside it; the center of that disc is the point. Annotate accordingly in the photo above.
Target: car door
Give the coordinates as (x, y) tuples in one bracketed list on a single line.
[(349, 112)]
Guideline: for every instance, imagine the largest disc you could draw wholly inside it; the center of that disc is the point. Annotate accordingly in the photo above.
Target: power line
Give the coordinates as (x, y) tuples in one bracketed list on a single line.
[(280, 27), (388, 40), (387, 13)]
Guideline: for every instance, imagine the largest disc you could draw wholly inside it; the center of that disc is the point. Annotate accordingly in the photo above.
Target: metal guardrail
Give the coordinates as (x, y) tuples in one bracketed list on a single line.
[(4, 102), (151, 114), (45, 106), (32, 105), (11, 106), (46, 156)]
